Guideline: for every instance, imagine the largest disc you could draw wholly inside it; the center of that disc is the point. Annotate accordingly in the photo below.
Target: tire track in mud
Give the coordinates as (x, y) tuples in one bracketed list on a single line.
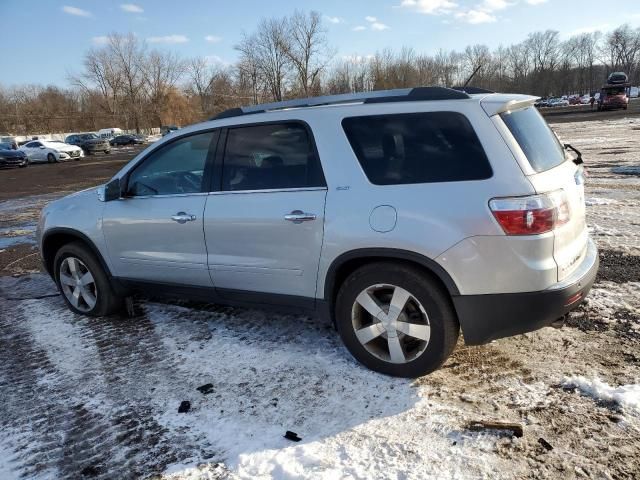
[(95, 417)]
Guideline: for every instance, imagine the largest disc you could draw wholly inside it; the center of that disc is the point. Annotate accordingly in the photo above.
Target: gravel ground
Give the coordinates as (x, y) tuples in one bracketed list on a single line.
[(98, 398)]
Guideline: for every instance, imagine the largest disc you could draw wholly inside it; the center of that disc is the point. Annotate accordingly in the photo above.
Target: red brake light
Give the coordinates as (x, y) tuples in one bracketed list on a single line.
[(531, 215)]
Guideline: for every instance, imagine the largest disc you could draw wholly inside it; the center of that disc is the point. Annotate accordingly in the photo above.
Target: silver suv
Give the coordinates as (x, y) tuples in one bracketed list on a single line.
[(404, 215)]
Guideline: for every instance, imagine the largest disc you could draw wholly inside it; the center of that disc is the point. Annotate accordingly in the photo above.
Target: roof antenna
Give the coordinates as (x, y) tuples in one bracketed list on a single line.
[(472, 75)]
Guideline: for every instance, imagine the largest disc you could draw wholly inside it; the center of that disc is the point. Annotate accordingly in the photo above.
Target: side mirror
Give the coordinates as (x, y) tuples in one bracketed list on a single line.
[(113, 190)]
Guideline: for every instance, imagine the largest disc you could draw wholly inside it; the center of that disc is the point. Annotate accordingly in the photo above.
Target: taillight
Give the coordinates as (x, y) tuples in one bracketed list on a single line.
[(531, 215)]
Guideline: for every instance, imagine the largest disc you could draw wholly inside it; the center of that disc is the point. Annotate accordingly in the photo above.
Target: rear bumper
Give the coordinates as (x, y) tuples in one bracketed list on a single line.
[(484, 318)]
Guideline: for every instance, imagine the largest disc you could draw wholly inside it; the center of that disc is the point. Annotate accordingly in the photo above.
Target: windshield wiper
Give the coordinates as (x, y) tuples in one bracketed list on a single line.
[(578, 160)]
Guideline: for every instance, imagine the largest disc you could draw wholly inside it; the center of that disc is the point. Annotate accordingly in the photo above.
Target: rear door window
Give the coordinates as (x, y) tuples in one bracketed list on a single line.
[(536, 139), (423, 147), (270, 156)]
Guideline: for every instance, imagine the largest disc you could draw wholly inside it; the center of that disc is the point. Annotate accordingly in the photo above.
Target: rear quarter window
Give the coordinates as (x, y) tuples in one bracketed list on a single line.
[(424, 147), (536, 139)]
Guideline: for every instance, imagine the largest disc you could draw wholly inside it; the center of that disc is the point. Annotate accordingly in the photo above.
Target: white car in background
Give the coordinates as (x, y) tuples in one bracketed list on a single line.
[(558, 102), (51, 151)]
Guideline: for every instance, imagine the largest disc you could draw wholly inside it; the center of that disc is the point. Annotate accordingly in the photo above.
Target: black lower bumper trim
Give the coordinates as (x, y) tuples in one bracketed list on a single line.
[(484, 318)]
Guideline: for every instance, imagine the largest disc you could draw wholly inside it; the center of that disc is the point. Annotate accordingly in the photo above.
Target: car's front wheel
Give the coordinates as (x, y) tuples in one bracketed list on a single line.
[(51, 158), (83, 283), (396, 320)]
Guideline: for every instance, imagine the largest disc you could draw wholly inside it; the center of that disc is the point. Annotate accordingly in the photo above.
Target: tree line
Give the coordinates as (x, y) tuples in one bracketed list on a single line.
[(125, 84)]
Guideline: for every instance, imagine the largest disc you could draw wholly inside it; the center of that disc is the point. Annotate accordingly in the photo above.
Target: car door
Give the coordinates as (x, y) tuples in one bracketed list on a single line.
[(35, 151), (154, 233), (264, 225)]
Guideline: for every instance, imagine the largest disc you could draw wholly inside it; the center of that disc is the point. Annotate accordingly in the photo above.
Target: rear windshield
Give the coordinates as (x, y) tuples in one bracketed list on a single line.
[(538, 142)]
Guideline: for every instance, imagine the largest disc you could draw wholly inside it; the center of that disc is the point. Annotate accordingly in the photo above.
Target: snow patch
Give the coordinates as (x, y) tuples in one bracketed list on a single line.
[(624, 395)]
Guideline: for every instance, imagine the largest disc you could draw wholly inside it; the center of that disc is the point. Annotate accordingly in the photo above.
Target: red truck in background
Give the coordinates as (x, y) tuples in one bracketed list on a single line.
[(615, 93)]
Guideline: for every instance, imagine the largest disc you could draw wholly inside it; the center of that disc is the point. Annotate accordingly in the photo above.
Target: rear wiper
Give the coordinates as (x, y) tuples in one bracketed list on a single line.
[(578, 160)]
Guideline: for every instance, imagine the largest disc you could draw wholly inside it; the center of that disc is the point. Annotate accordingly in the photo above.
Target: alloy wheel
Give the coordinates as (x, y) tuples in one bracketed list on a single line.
[(78, 284), (390, 323)]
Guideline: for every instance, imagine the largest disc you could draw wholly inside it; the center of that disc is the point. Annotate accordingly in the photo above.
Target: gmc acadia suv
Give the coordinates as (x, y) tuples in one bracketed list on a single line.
[(404, 215)]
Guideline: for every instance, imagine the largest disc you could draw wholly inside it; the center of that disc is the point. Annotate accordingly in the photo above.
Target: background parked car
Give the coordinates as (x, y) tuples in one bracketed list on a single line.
[(558, 102), (126, 140), (50, 151), (109, 132), (585, 99), (89, 142), (11, 141), (10, 157)]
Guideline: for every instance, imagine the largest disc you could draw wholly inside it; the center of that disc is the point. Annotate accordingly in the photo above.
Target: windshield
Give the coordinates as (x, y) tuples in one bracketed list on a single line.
[(5, 146), (538, 142), (614, 91), (89, 136)]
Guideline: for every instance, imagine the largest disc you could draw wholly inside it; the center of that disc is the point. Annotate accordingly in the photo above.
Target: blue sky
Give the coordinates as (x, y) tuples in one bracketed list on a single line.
[(44, 40)]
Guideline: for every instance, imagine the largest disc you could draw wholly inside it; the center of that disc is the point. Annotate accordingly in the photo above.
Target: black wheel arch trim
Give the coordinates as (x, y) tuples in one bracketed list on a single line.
[(80, 236), (384, 254)]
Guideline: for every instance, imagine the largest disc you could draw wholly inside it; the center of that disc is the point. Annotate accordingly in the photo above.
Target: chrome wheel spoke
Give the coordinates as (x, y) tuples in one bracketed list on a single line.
[(398, 301), (414, 330), (66, 279), (366, 301), (86, 279), (88, 297), (366, 334), (396, 353), (75, 297), (73, 267)]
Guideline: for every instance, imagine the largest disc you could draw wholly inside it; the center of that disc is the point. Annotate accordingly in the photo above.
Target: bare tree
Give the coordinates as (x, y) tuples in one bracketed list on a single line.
[(161, 72), (307, 49), (267, 50)]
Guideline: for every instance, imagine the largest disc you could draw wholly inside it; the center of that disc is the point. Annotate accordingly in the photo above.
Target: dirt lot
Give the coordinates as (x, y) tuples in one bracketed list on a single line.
[(584, 113), (42, 178), (98, 398)]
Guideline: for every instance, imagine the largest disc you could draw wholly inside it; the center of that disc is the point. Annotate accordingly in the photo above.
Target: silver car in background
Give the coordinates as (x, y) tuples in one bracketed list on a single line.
[(404, 215)]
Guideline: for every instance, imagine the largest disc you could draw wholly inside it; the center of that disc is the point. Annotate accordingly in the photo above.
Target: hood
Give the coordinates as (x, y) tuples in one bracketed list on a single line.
[(12, 154), (91, 191), (67, 148)]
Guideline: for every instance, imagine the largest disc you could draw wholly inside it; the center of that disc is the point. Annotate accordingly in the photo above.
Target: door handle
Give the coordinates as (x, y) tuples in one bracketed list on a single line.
[(182, 217), (298, 216)]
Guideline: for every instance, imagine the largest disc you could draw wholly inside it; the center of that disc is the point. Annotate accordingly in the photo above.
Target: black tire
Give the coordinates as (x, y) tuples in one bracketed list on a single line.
[(444, 326), (107, 302), (107, 152), (51, 158)]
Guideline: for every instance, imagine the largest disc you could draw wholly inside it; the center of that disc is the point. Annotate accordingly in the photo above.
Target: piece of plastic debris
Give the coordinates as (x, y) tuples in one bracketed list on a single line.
[(184, 407), (515, 428), (205, 389), (293, 436), (545, 444)]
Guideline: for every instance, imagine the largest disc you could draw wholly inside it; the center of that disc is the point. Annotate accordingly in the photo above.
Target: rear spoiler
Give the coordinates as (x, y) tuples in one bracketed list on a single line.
[(502, 102)]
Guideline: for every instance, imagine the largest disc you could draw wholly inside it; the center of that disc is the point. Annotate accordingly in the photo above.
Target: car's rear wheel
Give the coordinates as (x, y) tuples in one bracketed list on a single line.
[(51, 158), (396, 320), (83, 283)]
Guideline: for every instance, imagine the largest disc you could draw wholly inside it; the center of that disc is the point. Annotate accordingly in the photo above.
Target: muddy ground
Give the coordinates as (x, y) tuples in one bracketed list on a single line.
[(98, 398)]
